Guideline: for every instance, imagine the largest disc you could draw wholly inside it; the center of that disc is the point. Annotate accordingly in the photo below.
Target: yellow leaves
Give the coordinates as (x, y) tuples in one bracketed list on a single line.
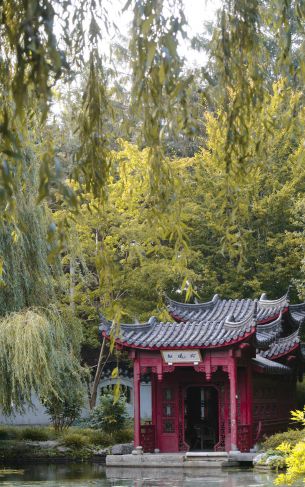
[(2, 282), (116, 392), (295, 461), (284, 447), (1, 266), (115, 373), (298, 416), (15, 237), (294, 455)]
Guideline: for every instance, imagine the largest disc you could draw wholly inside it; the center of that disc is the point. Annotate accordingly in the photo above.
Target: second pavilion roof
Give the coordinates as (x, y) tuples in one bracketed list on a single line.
[(273, 326)]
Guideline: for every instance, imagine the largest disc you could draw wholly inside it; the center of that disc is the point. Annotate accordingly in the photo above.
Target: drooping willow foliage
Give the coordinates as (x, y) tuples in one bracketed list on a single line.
[(254, 44), (38, 348), (27, 277), (159, 87)]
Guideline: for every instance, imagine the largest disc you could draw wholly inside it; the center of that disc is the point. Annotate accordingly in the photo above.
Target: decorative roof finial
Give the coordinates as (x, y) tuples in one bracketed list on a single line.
[(288, 293), (231, 318), (255, 310), (153, 321), (103, 320)]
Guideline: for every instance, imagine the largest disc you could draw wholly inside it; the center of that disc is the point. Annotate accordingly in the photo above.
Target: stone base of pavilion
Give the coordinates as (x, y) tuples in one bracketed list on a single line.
[(182, 460)]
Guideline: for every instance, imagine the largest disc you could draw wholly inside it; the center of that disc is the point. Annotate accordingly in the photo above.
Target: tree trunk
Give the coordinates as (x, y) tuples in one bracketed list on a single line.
[(97, 378)]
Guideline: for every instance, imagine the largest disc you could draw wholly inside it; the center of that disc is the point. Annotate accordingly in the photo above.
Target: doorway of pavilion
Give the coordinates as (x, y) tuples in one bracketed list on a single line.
[(201, 417)]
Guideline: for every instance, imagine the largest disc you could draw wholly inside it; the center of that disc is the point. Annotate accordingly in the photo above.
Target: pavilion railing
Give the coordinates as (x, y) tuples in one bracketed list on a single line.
[(244, 437), (148, 438)]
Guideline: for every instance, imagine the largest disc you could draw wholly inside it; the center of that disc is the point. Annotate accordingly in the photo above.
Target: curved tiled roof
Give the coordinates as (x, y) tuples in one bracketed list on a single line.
[(270, 366), (268, 333), (282, 346), (297, 311), (156, 335), (218, 309), (218, 323), (175, 335)]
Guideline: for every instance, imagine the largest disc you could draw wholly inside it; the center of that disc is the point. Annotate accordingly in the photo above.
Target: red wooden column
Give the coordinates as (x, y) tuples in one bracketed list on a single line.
[(250, 404), (153, 399), (137, 405), (233, 401)]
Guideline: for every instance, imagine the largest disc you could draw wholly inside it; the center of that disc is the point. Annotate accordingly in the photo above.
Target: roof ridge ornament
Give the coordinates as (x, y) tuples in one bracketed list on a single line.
[(172, 303), (268, 303), (268, 333), (275, 325), (231, 318), (255, 310), (248, 322), (153, 321), (288, 293), (103, 320)]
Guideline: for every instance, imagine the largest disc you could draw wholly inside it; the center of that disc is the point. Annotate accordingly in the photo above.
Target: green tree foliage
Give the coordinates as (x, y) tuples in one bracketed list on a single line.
[(248, 238), (122, 257), (34, 58), (64, 410), (244, 237)]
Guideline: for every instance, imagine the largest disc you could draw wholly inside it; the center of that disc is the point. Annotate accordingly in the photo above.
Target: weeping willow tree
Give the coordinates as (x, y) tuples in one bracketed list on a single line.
[(27, 277), (39, 350), (39, 338)]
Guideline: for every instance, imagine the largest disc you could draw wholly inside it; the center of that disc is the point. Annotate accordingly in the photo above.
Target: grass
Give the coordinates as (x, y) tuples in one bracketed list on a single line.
[(10, 471), (81, 443)]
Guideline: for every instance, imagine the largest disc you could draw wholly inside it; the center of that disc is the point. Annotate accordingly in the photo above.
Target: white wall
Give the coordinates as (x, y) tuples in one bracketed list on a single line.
[(32, 415), (37, 415)]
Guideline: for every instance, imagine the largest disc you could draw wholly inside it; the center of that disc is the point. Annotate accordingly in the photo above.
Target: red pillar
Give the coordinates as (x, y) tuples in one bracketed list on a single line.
[(250, 404), (233, 402), (137, 406), (153, 399)]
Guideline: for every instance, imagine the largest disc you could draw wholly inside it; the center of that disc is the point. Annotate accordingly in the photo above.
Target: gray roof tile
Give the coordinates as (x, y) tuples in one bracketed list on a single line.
[(270, 366), (283, 345), (218, 309), (220, 323)]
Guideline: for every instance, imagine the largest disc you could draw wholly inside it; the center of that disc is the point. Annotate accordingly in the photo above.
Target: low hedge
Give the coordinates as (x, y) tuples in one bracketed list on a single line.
[(74, 437), (290, 436)]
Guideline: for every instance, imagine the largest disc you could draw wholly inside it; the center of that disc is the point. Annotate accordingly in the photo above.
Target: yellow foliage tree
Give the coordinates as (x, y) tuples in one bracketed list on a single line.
[(295, 459)]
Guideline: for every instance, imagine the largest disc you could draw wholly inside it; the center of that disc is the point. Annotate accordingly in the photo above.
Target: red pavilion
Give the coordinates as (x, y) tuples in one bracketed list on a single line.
[(223, 374)]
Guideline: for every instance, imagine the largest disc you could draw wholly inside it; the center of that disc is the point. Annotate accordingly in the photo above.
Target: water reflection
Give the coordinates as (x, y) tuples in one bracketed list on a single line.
[(92, 475), (191, 477)]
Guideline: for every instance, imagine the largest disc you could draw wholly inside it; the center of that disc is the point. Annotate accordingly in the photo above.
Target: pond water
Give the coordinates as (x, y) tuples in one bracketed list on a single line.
[(82, 475)]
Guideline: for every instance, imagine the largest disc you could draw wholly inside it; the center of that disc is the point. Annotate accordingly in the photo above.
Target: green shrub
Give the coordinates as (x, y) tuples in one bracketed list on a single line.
[(100, 438), (63, 411), (74, 439), (290, 436), (109, 416), (34, 433), (8, 432), (123, 436), (96, 437)]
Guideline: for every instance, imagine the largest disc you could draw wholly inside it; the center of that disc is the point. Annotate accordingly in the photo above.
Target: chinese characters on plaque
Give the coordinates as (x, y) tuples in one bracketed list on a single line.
[(181, 356)]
